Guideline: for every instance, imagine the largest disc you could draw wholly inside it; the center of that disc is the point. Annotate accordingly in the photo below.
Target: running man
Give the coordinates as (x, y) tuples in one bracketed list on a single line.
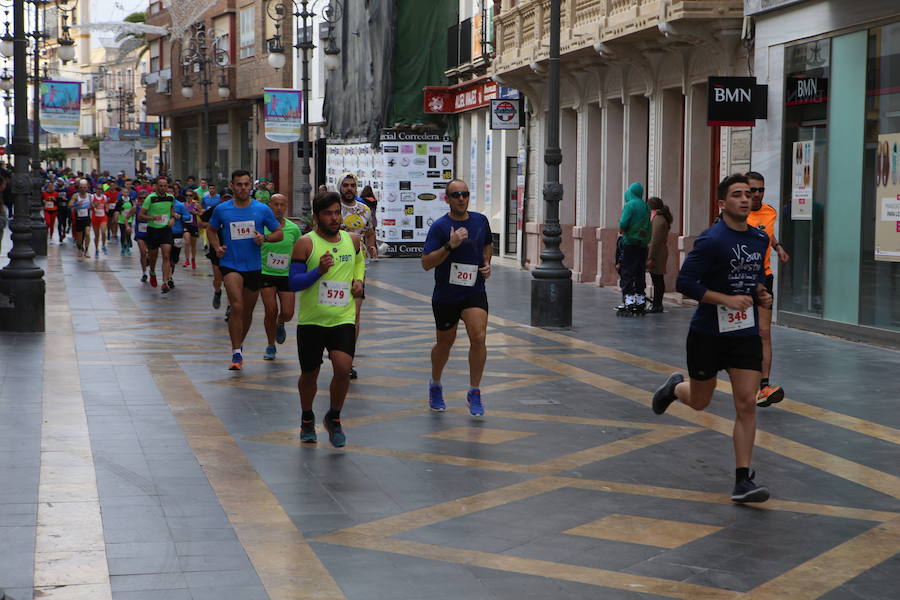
[(277, 297), (123, 212), (158, 211), (724, 273), (459, 249), (763, 217), (327, 268), (214, 259), (81, 211), (243, 221), (356, 217), (99, 221), (140, 233)]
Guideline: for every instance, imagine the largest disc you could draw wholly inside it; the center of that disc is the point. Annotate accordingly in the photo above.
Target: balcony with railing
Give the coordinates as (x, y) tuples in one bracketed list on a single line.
[(523, 26)]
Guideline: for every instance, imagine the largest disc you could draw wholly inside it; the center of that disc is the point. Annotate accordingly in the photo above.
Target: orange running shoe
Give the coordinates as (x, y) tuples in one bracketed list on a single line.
[(770, 394)]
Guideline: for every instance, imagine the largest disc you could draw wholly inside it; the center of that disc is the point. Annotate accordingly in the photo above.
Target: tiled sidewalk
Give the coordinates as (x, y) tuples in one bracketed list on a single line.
[(134, 465)]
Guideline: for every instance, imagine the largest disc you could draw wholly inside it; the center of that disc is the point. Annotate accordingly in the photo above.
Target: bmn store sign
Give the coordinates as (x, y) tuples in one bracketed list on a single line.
[(735, 101)]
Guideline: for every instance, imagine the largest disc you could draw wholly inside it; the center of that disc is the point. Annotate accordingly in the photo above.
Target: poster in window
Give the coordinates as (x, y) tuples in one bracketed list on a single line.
[(887, 198), (802, 178)]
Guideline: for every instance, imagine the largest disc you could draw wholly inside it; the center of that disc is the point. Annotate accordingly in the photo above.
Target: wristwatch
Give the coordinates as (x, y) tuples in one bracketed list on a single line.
[(447, 247)]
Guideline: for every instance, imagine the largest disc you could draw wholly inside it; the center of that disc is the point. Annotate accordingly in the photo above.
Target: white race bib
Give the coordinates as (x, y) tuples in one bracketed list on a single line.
[(178, 242), (334, 293), (142, 228), (49, 204), (161, 219), (243, 230), (462, 274), (82, 212), (99, 212), (277, 261), (734, 320)]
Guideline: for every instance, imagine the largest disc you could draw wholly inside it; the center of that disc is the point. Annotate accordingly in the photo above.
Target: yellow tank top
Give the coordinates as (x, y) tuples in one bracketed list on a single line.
[(328, 302)]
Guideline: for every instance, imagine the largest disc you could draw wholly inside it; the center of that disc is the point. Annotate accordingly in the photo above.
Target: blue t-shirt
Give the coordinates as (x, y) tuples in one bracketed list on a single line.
[(726, 261), (181, 214), (470, 252), (209, 201), (242, 254)]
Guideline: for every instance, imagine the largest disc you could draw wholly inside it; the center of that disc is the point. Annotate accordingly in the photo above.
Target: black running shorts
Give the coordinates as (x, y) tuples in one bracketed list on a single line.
[(252, 279), (312, 340), (279, 282), (158, 236), (447, 314), (709, 354), (770, 284), (82, 223)]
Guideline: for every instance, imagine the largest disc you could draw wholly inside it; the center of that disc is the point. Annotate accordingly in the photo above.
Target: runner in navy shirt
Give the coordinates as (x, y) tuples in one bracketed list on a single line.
[(459, 249), (241, 222), (724, 272)]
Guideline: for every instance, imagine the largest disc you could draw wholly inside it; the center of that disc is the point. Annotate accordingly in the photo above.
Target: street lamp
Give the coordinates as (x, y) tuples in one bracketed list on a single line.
[(304, 11), (200, 56), (22, 287), (66, 50), (551, 286)]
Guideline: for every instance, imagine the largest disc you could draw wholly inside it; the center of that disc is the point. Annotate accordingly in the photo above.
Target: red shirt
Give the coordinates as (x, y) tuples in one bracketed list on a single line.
[(50, 200)]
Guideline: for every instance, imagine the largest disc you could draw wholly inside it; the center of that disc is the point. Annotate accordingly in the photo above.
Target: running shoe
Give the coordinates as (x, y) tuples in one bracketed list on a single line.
[(270, 352), (280, 334), (96, 254), (217, 299), (171, 284), (237, 362), (770, 394), (105, 251), (436, 398), (164, 289), (227, 312), (122, 251), (308, 431), (153, 281), (665, 394), (186, 264), (193, 263), (473, 401), (335, 433), (143, 278), (746, 490), (353, 373)]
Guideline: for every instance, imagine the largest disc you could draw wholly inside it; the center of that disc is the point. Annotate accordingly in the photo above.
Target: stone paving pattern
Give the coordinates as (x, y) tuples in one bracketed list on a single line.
[(135, 466)]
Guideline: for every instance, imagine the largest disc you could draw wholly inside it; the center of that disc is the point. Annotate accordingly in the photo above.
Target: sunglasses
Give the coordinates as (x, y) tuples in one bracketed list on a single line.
[(458, 194), (759, 189)]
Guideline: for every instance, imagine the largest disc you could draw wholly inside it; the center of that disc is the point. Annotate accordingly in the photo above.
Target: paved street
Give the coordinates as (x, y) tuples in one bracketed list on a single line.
[(134, 466)]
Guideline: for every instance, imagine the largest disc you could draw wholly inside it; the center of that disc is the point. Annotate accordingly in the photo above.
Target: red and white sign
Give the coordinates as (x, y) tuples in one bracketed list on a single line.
[(505, 114), (458, 98)]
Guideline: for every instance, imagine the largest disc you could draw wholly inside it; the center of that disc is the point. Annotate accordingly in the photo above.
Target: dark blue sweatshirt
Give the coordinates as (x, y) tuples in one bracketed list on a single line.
[(726, 261)]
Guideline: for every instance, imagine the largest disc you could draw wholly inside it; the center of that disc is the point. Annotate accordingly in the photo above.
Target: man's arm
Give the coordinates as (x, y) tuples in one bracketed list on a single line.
[(485, 267)]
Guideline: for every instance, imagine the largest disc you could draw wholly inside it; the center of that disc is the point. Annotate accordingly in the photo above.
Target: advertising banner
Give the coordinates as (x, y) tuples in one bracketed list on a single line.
[(488, 171), (117, 157), (148, 134), (887, 198), (735, 101), (802, 179), (60, 106), (283, 114), (408, 174)]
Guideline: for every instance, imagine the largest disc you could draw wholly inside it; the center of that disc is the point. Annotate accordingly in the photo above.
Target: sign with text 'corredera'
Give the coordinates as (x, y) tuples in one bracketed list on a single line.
[(736, 101)]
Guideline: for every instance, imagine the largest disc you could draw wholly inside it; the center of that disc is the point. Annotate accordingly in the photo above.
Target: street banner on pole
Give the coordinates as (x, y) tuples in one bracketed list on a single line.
[(117, 157), (60, 106), (283, 114), (148, 134)]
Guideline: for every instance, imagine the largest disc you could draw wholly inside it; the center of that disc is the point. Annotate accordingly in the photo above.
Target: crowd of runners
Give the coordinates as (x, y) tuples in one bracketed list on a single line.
[(320, 274)]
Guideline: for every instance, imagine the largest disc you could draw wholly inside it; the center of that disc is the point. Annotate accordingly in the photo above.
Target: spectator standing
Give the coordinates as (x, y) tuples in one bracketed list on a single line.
[(634, 225), (658, 250)]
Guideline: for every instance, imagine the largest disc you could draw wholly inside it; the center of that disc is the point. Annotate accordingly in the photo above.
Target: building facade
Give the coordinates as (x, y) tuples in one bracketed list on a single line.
[(240, 32), (634, 99), (829, 151)]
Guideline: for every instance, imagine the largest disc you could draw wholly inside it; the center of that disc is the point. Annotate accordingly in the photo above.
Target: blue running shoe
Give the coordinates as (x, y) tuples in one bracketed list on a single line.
[(436, 398), (237, 362), (308, 431), (280, 334), (335, 432), (270, 352), (473, 400)]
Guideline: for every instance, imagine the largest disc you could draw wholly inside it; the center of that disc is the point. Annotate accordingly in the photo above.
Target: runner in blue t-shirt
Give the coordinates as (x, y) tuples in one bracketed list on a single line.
[(724, 273), (180, 211), (459, 249), (242, 222)]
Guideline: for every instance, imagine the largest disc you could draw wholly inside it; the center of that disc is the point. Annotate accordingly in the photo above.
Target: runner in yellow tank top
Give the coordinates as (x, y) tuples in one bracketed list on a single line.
[(328, 269)]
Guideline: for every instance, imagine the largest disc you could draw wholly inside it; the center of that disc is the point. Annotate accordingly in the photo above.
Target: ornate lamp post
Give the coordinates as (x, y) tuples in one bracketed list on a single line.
[(201, 54), (551, 287), (66, 50), (303, 12), (22, 285), (38, 228)]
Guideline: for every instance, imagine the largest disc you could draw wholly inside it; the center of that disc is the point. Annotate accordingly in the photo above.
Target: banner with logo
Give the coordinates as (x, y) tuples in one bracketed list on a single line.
[(60, 106), (408, 174), (887, 198), (148, 134), (283, 114)]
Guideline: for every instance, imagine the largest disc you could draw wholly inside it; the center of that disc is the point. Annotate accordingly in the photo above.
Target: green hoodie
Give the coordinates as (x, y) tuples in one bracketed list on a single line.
[(635, 220)]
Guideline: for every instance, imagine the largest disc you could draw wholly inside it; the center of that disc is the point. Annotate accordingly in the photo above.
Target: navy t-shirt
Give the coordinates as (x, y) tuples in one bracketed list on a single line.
[(238, 226), (470, 252), (727, 261)]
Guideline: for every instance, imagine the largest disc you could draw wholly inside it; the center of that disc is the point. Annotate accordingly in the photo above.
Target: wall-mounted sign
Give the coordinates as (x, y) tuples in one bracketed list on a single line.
[(506, 114), (456, 99), (736, 101), (806, 90)]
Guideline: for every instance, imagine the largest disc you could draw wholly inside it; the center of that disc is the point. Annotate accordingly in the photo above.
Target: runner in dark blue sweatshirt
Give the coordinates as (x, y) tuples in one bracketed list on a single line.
[(724, 273)]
